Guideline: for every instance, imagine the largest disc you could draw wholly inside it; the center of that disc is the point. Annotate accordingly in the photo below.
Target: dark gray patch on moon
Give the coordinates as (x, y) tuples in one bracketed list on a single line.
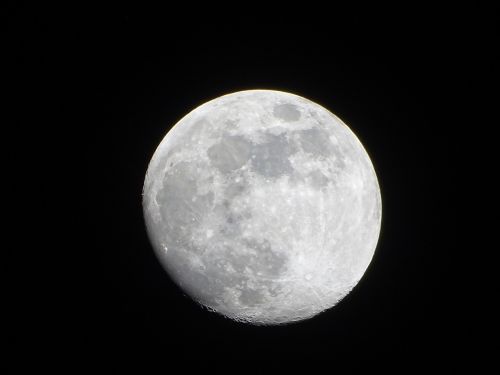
[(286, 112), (318, 180), (230, 154), (228, 269), (270, 263), (178, 209), (232, 225), (316, 141), (180, 206), (235, 188), (251, 297), (271, 158)]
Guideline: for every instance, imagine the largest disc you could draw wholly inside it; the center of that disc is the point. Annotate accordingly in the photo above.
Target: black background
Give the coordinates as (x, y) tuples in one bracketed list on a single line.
[(393, 75)]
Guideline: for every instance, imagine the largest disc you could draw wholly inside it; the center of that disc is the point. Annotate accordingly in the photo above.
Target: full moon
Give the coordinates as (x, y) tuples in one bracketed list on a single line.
[(263, 206)]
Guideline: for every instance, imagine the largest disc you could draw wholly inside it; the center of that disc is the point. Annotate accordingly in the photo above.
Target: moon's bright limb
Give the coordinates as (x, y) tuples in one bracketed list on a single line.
[(263, 206)]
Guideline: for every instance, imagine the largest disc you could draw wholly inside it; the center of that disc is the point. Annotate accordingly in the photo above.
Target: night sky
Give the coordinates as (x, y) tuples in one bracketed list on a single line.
[(130, 74)]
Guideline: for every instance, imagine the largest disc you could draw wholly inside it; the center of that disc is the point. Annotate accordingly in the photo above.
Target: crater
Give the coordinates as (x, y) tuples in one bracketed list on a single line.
[(286, 112)]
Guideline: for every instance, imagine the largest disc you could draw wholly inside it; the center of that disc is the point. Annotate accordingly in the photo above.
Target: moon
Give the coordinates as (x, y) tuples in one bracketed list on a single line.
[(263, 206)]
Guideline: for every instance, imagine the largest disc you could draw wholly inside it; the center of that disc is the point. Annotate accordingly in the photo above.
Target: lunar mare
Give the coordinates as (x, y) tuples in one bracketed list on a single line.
[(263, 206)]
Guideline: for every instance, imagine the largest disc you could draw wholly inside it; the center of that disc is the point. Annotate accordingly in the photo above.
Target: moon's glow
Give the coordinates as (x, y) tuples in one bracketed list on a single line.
[(263, 206)]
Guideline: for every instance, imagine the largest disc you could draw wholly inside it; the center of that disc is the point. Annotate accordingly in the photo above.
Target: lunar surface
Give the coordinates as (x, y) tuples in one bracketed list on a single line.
[(263, 206)]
